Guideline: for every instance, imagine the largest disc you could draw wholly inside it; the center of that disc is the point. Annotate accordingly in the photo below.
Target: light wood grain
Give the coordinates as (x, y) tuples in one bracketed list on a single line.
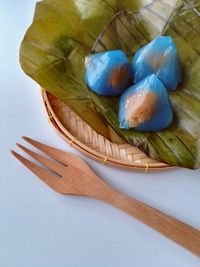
[(68, 174)]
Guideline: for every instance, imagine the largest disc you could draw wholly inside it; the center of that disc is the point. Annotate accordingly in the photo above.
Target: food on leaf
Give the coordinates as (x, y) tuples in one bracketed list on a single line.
[(145, 106), (63, 33), (108, 73), (158, 57)]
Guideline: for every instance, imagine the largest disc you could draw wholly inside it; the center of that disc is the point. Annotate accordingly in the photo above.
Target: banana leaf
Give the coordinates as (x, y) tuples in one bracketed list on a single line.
[(63, 32)]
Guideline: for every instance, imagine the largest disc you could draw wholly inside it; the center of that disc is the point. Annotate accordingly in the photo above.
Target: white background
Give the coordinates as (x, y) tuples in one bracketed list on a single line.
[(41, 228)]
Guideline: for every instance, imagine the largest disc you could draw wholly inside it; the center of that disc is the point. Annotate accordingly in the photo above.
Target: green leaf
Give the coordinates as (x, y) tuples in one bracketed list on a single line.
[(65, 31)]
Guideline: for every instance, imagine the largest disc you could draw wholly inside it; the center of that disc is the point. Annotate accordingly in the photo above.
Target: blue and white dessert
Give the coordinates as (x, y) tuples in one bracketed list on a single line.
[(159, 57), (108, 73), (145, 106)]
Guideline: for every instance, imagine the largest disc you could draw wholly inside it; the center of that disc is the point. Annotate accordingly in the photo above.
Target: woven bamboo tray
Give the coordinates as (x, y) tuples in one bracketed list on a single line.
[(81, 136)]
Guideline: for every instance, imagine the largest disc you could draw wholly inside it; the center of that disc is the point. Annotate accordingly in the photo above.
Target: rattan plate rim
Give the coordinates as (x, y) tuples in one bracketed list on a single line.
[(100, 157)]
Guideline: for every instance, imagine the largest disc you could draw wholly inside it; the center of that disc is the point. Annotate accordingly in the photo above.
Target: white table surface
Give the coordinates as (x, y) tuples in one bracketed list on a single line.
[(40, 228)]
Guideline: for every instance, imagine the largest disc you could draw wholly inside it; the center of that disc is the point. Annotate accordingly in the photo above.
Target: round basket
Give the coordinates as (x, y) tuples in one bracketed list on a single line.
[(81, 136)]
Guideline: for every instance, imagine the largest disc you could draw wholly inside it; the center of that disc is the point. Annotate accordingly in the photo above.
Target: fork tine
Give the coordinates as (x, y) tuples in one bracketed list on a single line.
[(56, 167), (54, 153), (47, 177)]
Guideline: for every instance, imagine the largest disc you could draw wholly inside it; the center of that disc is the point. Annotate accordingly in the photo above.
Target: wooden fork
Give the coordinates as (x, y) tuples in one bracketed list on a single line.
[(68, 174)]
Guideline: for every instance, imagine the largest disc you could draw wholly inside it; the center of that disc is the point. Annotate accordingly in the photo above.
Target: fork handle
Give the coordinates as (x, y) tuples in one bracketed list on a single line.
[(183, 234)]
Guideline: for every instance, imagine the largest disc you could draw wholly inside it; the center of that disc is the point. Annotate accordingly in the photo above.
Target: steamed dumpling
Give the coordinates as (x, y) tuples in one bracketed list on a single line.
[(145, 106), (159, 57), (108, 73)]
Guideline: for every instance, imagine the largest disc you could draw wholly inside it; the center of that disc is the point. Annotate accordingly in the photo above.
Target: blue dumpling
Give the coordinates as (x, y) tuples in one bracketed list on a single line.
[(145, 106), (108, 73), (158, 57)]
